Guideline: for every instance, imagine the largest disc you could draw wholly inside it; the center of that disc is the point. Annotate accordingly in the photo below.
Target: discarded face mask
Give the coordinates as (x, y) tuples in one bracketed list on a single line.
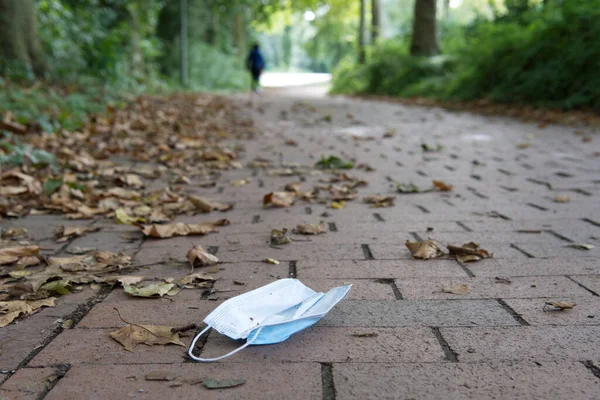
[(270, 314)]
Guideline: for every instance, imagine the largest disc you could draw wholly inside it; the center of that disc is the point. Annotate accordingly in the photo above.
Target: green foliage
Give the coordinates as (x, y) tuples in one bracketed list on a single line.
[(15, 153), (546, 56), (334, 162)]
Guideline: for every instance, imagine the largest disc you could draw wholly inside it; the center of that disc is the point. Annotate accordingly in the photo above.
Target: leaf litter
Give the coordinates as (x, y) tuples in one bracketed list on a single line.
[(133, 334)]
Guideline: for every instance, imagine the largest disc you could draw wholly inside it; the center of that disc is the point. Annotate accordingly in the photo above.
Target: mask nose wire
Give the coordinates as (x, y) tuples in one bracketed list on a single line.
[(193, 357)]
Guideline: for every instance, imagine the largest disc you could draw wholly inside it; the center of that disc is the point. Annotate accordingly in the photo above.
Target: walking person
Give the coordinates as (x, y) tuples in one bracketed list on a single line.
[(256, 64)]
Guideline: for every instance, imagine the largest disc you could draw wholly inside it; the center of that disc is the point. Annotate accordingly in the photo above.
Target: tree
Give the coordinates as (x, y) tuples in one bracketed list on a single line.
[(375, 20), (424, 37), (361, 32), (19, 41)]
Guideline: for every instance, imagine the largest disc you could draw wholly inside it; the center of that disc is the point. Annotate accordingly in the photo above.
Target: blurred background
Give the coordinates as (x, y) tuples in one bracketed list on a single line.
[(57, 54)]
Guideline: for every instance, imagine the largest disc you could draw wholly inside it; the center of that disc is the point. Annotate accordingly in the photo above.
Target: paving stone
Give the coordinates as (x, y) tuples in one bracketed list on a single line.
[(584, 313), (575, 343), (183, 309), (592, 282), (535, 267), (495, 380), (28, 383), (367, 313), (328, 344), (490, 288), (95, 346), (294, 381), (378, 269)]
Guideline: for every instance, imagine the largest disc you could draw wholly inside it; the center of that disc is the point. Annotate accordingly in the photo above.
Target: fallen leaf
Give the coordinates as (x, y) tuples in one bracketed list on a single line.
[(159, 376), (205, 205), (365, 334), (442, 186), (271, 261), (131, 180), (390, 133), (210, 383), (560, 305), (181, 229), (562, 199), (278, 199), (61, 287), (410, 188), (469, 252), (240, 182), (157, 289), (456, 289), (64, 233), (198, 257), (377, 201), (291, 142), (334, 162), (294, 187), (338, 205), (10, 310), (121, 217), (197, 280), (523, 145), (9, 255), (581, 246), (310, 229), (132, 334), (425, 250), (278, 237), (427, 148)]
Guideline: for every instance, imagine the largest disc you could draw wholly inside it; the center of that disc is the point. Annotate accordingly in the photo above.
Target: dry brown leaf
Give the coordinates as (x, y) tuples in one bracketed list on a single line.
[(160, 376), (469, 252), (442, 186), (278, 237), (10, 310), (560, 305), (64, 233), (205, 205), (181, 229), (197, 280), (456, 289), (365, 334), (121, 193), (11, 255), (562, 199), (310, 229), (271, 261), (131, 180), (278, 199), (377, 201), (198, 257), (294, 187), (132, 334), (425, 250)]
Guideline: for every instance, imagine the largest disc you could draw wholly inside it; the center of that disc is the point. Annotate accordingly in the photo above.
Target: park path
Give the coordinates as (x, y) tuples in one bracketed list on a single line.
[(495, 341)]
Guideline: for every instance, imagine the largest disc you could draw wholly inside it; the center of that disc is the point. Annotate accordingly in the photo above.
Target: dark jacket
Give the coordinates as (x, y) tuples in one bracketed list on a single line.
[(256, 61)]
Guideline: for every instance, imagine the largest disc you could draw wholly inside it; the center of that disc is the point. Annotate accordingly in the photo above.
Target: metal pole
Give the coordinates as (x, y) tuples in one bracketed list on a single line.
[(184, 43)]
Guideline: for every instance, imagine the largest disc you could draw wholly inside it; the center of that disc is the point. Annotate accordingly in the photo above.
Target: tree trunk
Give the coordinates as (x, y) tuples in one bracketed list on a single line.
[(424, 38), (19, 41), (239, 32), (375, 20), (361, 32)]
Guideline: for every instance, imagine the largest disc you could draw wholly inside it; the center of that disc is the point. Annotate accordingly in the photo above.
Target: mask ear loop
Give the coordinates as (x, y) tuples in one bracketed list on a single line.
[(193, 357)]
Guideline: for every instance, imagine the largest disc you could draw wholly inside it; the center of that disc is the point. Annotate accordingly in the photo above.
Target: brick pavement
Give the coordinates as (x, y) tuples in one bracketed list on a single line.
[(494, 342)]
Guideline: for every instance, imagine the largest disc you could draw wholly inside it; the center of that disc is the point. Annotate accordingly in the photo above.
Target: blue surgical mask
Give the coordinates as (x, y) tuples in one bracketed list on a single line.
[(270, 314)]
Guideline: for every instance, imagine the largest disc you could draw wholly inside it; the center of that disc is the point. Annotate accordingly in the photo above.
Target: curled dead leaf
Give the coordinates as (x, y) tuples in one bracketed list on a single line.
[(365, 334), (469, 252), (64, 233), (271, 261), (10, 310), (153, 290), (559, 305), (377, 201), (198, 257), (562, 199), (581, 246), (278, 237), (182, 229), (310, 229), (456, 289), (278, 199), (425, 250), (442, 186), (205, 205), (10, 255)]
